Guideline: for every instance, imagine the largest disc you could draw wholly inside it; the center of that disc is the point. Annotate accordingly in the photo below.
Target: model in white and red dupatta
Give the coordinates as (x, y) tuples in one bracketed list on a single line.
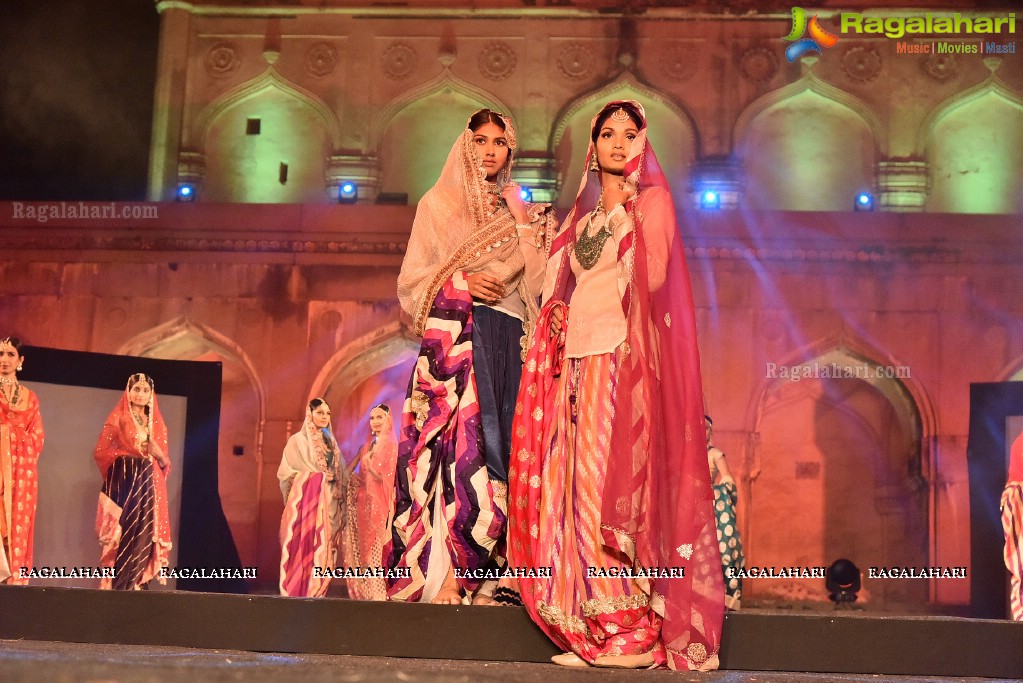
[(609, 487)]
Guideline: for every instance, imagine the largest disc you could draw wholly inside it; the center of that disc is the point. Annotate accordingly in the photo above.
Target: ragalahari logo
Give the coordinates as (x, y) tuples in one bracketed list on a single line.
[(818, 36)]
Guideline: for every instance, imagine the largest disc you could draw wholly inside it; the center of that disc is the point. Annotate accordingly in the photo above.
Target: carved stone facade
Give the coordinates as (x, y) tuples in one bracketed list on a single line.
[(356, 83), (298, 299)]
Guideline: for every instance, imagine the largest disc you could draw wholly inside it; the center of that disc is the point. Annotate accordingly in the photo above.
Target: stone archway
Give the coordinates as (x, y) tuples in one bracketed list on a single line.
[(415, 133), (807, 147), (242, 416), (372, 369), (974, 148), (840, 471), (267, 141)]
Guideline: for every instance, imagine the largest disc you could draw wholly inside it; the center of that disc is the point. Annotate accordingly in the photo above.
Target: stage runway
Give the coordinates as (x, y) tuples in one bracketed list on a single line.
[(68, 634), (32, 661)]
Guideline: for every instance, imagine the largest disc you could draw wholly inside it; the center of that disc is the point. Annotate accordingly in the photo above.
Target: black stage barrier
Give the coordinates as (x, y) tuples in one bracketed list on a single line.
[(203, 538), (753, 640), (991, 404)]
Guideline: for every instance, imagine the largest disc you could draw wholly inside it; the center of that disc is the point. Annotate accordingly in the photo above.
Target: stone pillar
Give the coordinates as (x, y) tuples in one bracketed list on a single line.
[(168, 100), (902, 185), (191, 169), (363, 170)]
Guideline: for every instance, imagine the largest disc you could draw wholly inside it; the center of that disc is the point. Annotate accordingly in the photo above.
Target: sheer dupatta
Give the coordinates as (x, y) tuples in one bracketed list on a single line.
[(657, 505), (443, 493), (311, 523), (123, 436)]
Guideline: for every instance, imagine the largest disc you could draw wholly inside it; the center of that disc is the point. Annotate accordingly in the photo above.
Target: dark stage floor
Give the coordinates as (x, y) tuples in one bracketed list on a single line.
[(32, 660)]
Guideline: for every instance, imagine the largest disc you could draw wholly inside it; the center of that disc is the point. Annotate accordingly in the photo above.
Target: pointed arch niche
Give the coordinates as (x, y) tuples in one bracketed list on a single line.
[(242, 415), (267, 141), (672, 135), (371, 370), (839, 471), (416, 131), (807, 147), (974, 146)]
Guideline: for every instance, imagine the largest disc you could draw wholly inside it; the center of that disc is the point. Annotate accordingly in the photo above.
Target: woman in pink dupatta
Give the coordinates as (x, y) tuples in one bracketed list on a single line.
[(311, 475), (21, 442), (370, 505), (1012, 525), (132, 520), (609, 487)]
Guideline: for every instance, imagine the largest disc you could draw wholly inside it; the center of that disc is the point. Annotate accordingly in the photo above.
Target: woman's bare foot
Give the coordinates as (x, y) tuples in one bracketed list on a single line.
[(449, 593), (448, 596), (569, 659), (643, 661)]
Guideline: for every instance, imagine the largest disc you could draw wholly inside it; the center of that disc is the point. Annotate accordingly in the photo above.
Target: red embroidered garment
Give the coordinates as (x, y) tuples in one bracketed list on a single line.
[(370, 504), (645, 500), (21, 441)]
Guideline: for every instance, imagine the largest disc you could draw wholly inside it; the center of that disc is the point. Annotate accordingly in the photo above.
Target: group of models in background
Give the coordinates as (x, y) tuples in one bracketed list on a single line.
[(336, 513), (555, 417), (132, 522)]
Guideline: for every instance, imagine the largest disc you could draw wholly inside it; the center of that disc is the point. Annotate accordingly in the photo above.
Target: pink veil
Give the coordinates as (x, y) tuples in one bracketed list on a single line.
[(657, 507)]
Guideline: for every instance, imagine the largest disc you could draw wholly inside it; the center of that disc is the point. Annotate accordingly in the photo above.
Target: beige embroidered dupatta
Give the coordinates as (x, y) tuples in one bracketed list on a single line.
[(456, 229)]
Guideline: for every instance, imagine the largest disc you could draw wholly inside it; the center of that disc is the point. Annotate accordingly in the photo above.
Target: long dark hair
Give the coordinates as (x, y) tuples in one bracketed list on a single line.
[(483, 117)]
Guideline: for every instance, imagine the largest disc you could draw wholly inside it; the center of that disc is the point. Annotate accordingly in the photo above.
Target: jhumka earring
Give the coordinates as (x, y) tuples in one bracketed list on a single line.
[(594, 166), (20, 367)]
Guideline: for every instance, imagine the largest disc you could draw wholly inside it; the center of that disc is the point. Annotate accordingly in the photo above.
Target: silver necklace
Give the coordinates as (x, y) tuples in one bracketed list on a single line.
[(588, 247)]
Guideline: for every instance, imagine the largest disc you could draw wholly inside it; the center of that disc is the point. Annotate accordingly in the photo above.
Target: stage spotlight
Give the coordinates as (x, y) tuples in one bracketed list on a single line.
[(710, 200), (347, 192), (864, 202), (843, 582), (526, 194), (186, 192)]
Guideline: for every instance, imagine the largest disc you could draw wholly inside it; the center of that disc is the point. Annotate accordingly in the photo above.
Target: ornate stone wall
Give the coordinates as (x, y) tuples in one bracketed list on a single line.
[(298, 301), (278, 103), (376, 95)]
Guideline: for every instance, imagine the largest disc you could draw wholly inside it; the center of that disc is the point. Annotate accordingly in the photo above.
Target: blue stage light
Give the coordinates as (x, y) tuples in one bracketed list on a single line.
[(526, 194), (864, 202), (347, 192), (709, 199), (186, 192)]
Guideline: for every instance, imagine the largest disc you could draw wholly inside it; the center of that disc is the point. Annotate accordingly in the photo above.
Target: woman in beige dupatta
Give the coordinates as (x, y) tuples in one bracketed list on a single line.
[(311, 477), (470, 281)]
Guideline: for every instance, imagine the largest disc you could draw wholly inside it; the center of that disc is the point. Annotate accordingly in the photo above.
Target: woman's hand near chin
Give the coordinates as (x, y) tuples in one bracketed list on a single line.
[(512, 195)]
